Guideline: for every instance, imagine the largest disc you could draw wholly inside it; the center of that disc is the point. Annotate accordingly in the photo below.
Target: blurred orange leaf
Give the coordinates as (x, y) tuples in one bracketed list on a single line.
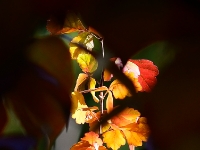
[(107, 76), (114, 139), (87, 63), (40, 105)]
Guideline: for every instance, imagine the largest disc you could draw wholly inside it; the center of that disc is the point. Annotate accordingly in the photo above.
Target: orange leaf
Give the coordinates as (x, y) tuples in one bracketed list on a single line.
[(127, 116), (91, 85), (107, 75), (92, 138), (148, 73), (81, 82), (109, 102), (82, 145), (114, 139), (119, 90)]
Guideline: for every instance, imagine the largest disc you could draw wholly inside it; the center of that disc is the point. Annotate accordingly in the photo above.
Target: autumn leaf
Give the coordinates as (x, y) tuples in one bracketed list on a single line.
[(148, 73), (119, 90), (91, 141), (114, 139), (84, 39), (71, 24), (80, 111), (92, 138), (109, 102), (136, 132), (91, 85), (127, 116), (87, 63), (81, 82)]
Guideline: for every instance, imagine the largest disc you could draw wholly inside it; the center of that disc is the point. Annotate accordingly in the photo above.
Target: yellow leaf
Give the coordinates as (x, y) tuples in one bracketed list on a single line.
[(81, 81), (109, 102), (78, 102), (83, 39), (119, 90), (91, 85), (114, 139), (75, 50), (87, 63)]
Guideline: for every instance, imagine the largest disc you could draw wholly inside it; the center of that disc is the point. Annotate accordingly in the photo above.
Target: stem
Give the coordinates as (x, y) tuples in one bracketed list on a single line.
[(101, 84)]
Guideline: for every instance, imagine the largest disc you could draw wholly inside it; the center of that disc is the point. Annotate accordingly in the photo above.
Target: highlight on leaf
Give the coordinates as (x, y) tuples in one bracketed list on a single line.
[(87, 63), (80, 111)]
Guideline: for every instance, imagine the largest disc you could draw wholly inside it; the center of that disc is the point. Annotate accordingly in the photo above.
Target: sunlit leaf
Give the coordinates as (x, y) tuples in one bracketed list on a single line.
[(109, 102), (148, 73), (132, 138), (136, 132), (91, 85), (78, 102), (87, 63), (114, 139), (71, 24), (84, 39), (81, 82), (80, 111), (119, 90), (127, 116), (92, 138)]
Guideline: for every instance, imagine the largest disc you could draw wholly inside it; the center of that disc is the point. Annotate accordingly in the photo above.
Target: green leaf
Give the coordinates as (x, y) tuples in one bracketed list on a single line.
[(87, 63)]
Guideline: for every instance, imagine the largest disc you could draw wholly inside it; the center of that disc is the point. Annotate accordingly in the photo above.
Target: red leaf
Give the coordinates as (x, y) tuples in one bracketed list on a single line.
[(148, 73)]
